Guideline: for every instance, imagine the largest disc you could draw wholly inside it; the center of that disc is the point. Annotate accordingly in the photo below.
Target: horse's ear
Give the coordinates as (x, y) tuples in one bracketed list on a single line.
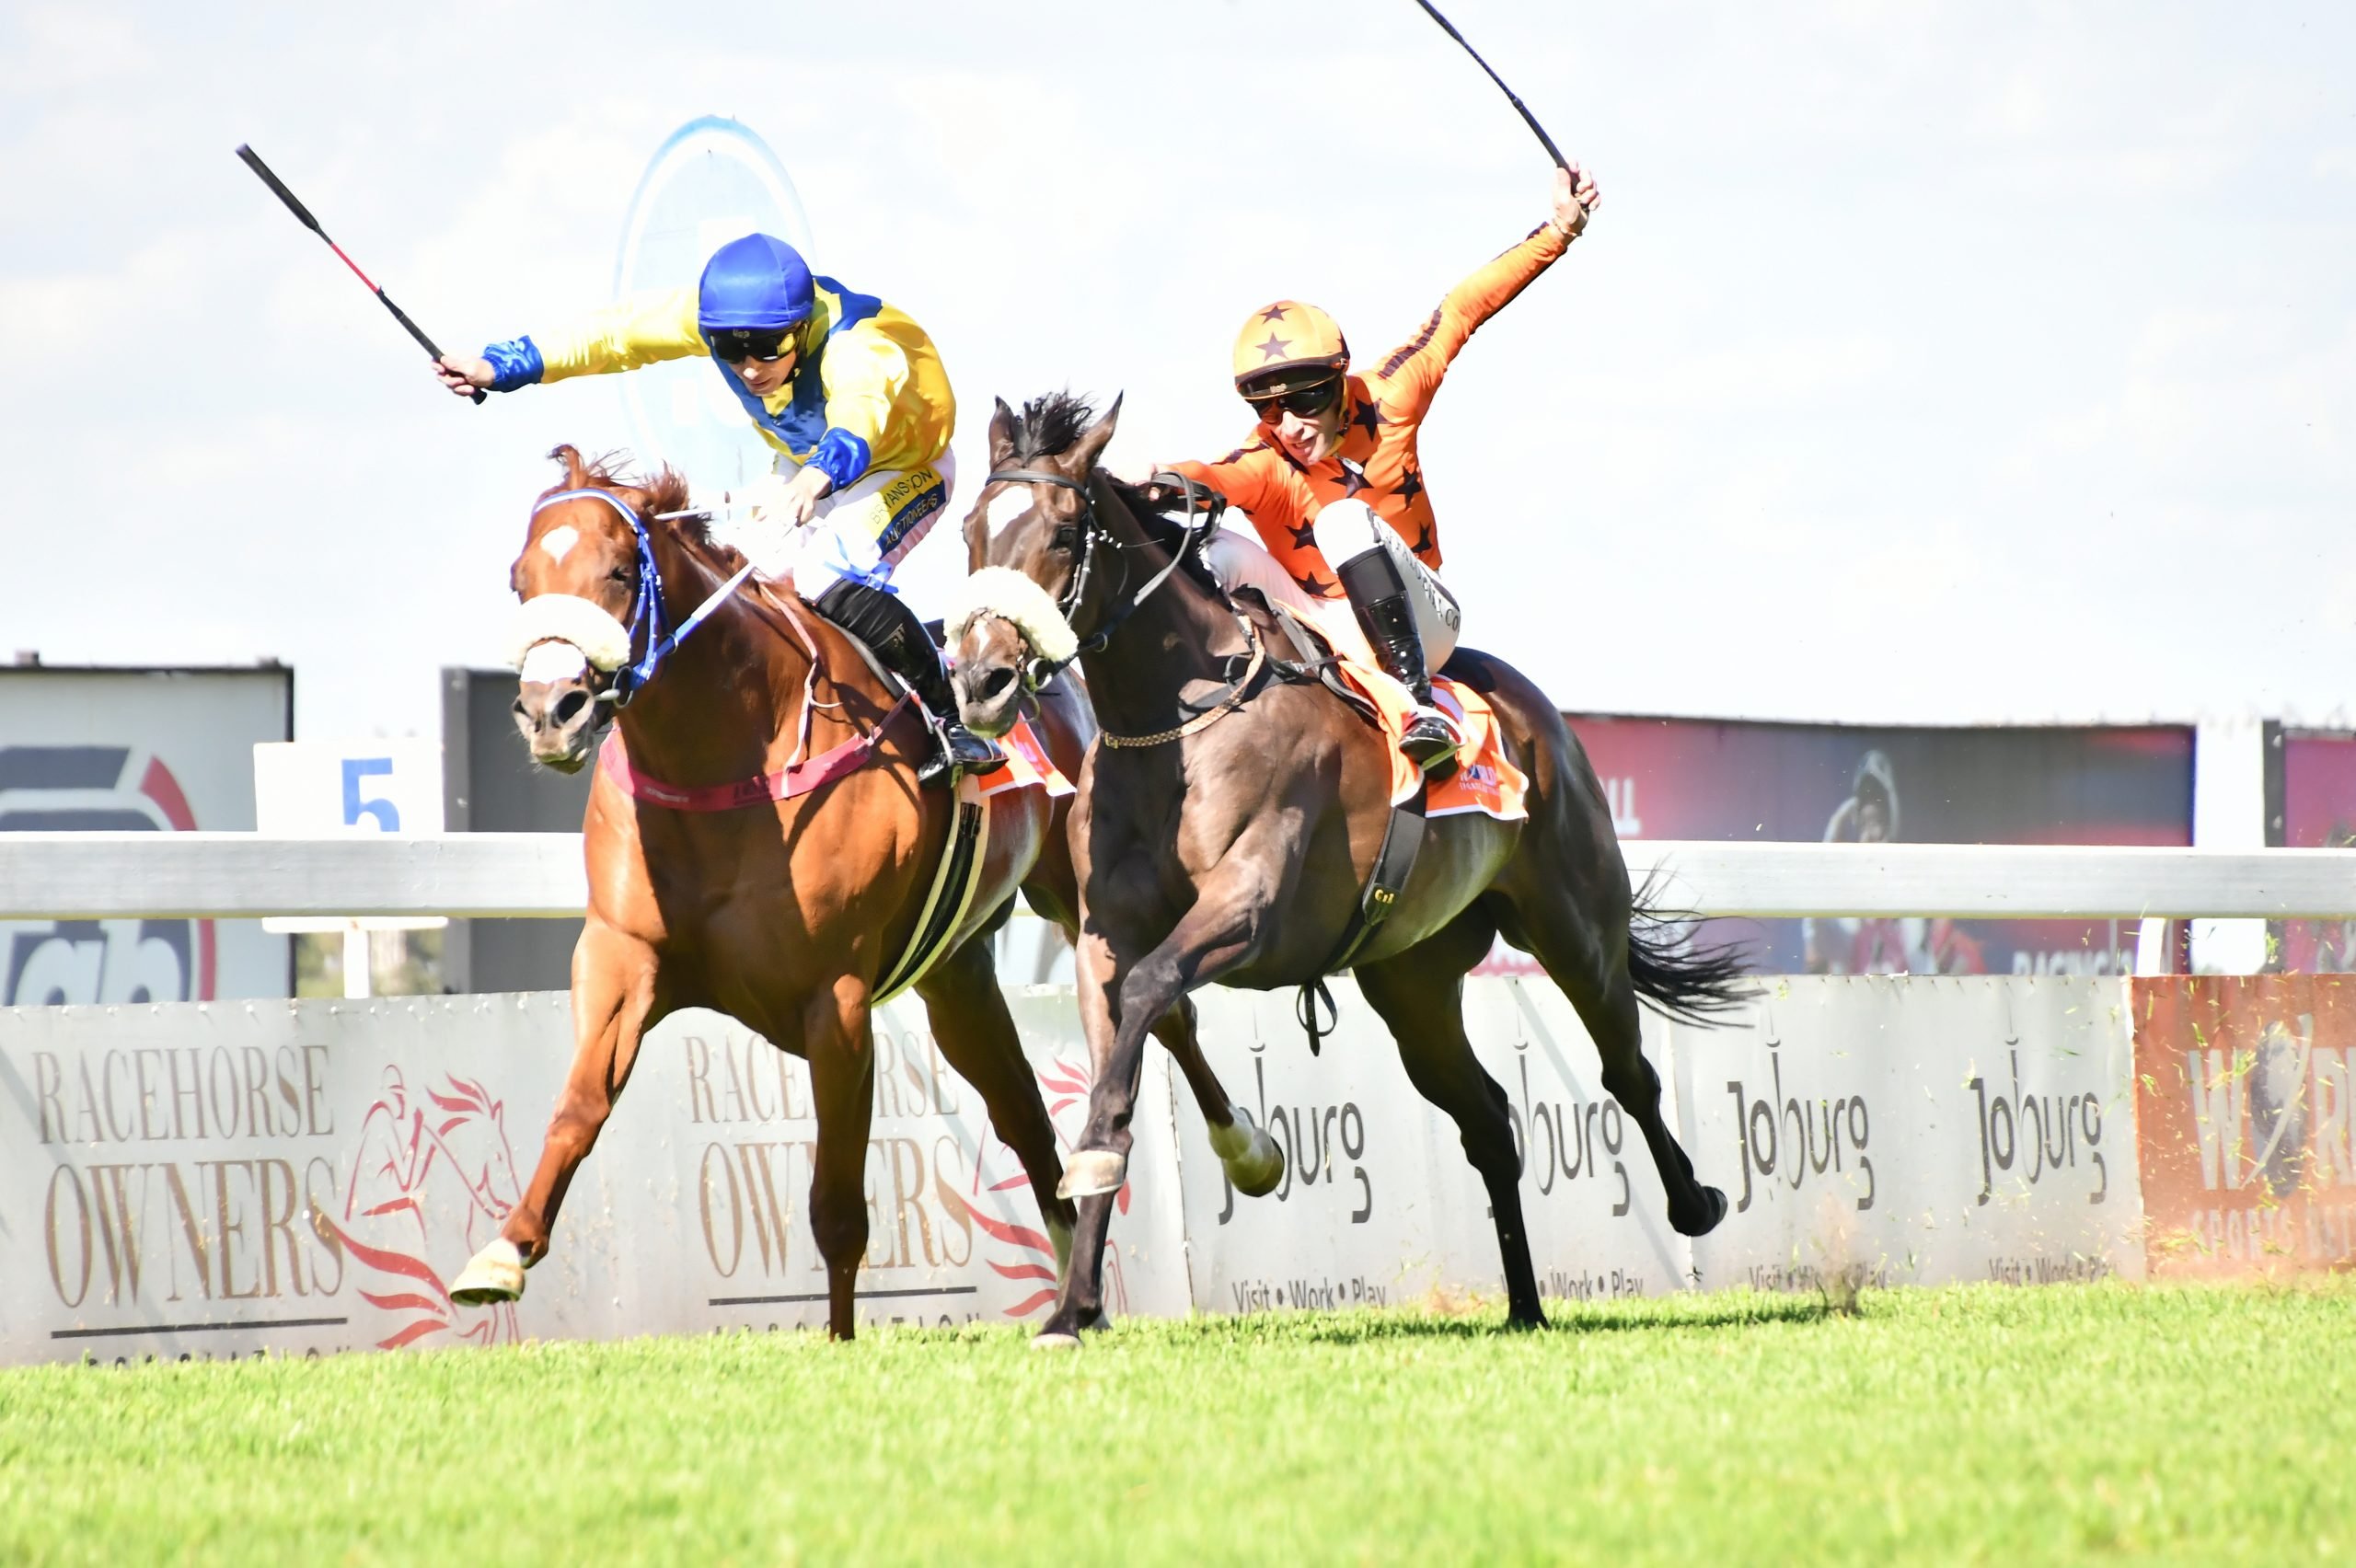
[(1091, 443), (576, 470), (1002, 437)]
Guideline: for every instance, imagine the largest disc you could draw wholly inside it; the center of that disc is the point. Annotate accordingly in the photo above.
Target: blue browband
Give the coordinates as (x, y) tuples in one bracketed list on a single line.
[(646, 621)]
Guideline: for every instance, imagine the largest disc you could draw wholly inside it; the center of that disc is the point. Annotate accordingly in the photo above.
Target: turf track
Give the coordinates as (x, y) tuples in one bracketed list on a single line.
[(1989, 1423)]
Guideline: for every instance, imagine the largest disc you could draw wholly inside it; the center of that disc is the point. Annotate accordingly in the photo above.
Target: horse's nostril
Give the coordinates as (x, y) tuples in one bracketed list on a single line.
[(994, 683), (523, 714), (569, 705)]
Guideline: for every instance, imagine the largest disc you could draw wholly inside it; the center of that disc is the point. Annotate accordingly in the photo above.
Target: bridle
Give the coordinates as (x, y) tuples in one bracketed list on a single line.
[(1204, 508), (648, 619)]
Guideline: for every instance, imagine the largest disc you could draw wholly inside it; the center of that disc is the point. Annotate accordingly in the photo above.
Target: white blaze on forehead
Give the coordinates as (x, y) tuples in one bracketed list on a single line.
[(559, 542), (1005, 507), (553, 662)]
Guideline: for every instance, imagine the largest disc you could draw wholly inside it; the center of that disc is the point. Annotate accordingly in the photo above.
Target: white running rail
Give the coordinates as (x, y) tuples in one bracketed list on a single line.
[(242, 875)]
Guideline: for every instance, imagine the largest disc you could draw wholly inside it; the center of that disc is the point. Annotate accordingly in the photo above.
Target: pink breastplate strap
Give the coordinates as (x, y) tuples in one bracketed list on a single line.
[(800, 779)]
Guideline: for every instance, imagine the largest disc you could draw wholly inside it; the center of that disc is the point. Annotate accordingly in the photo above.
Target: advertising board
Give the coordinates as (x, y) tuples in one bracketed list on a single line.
[(211, 1179), (1725, 779), (2244, 1089), (1916, 1132), (132, 750)]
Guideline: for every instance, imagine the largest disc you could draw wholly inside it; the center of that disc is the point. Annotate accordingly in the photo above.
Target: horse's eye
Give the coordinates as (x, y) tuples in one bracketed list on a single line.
[(1067, 536), (620, 574)]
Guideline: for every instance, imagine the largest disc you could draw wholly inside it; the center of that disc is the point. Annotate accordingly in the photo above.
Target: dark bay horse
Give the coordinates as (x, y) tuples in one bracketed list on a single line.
[(791, 912), (1236, 850)]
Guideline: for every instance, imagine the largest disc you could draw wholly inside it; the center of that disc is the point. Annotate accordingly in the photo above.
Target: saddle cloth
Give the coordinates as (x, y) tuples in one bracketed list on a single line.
[(1485, 779), (1027, 763)]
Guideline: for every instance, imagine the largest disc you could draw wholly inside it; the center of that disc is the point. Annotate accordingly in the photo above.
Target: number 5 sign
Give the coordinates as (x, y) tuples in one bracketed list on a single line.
[(327, 788)]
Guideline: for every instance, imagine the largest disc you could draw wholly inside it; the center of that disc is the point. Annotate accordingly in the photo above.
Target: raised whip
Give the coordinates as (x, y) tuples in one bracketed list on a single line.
[(1520, 108), (294, 205)]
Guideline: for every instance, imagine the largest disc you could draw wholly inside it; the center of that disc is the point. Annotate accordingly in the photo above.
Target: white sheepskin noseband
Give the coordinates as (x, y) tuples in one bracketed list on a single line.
[(1004, 594), (563, 617)]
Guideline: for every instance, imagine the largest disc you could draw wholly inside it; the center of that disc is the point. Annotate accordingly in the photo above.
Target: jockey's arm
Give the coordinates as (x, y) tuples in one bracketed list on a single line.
[(1247, 477), (889, 405), (1494, 285), (639, 329)]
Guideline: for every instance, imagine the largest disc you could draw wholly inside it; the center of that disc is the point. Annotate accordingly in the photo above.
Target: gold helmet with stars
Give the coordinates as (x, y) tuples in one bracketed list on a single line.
[(1287, 345)]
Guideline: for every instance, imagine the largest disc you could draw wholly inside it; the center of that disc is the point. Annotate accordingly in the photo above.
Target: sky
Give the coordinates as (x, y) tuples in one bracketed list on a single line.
[(1936, 363)]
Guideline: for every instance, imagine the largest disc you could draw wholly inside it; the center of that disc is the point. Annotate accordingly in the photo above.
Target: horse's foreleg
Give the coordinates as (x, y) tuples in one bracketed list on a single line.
[(1255, 1161), (977, 1037), (839, 1040), (614, 1003), (1119, 1008)]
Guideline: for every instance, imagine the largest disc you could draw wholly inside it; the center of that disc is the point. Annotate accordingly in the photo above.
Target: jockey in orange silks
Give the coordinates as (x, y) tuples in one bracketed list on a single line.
[(1331, 474), (850, 394)]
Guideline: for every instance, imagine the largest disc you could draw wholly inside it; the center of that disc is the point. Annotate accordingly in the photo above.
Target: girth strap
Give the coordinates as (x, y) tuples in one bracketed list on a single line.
[(952, 895), (1403, 840)]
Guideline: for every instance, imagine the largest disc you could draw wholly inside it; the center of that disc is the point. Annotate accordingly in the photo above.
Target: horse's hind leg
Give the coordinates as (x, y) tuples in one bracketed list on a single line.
[(1570, 943), (977, 1037), (838, 1040), (1420, 994), (614, 1003)]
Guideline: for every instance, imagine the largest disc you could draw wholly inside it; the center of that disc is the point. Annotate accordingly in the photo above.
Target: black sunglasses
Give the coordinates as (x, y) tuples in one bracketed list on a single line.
[(1306, 402), (734, 345)]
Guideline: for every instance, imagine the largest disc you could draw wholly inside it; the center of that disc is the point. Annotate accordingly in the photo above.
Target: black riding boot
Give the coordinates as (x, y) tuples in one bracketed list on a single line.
[(890, 628), (1387, 616)]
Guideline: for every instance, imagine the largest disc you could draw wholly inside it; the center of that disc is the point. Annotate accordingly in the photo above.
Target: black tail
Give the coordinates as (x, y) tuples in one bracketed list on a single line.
[(1678, 979)]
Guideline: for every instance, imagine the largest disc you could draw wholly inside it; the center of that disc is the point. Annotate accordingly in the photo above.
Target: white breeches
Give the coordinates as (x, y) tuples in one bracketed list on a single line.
[(859, 533)]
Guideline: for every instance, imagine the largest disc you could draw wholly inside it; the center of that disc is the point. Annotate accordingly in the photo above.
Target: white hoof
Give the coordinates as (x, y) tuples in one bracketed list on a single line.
[(494, 1275), (1255, 1161), (1055, 1342), (1089, 1172)]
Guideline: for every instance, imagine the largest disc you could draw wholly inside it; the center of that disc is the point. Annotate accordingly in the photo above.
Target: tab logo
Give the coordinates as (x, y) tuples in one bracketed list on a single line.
[(94, 789)]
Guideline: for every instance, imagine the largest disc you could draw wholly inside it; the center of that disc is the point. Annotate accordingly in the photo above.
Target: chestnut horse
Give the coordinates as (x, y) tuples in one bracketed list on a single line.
[(788, 913), (1228, 815)]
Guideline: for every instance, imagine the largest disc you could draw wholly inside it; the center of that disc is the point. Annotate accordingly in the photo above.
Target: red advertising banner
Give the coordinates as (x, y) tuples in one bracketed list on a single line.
[(1706, 779), (2242, 1103)]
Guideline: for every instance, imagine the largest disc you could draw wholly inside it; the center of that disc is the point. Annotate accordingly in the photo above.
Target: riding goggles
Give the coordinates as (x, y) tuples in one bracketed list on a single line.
[(1307, 402), (734, 345)]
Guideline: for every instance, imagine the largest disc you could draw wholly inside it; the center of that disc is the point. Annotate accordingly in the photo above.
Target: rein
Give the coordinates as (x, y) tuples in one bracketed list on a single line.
[(1092, 534), (1205, 507)]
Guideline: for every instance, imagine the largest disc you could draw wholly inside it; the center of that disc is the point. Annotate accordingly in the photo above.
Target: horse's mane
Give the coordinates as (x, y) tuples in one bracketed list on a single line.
[(664, 491), (1052, 424)]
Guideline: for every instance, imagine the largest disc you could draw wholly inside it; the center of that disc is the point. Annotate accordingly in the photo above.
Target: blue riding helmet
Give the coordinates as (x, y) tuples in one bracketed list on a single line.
[(757, 282)]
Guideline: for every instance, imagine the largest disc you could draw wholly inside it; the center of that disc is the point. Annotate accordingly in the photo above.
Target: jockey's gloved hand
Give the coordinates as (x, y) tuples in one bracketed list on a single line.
[(1575, 198), (757, 518)]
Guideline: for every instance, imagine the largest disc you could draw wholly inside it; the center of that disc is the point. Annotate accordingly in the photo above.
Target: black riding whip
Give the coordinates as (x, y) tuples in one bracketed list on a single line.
[(253, 161), (1523, 110)]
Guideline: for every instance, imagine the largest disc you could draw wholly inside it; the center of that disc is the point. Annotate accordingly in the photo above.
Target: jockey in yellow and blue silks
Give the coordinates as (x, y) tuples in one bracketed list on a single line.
[(850, 393)]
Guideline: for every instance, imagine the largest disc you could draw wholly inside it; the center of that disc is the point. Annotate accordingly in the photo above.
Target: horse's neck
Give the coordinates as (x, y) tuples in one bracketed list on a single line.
[(726, 692), (1180, 634)]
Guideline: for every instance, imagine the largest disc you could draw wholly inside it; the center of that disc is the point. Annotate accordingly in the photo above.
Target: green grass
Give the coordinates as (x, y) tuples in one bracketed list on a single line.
[(2054, 1424)]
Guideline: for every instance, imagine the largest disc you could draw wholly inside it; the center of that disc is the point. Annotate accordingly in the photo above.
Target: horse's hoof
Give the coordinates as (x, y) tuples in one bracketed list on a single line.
[(1089, 1172), (1255, 1161), (1054, 1340), (1714, 1209), (492, 1275)]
